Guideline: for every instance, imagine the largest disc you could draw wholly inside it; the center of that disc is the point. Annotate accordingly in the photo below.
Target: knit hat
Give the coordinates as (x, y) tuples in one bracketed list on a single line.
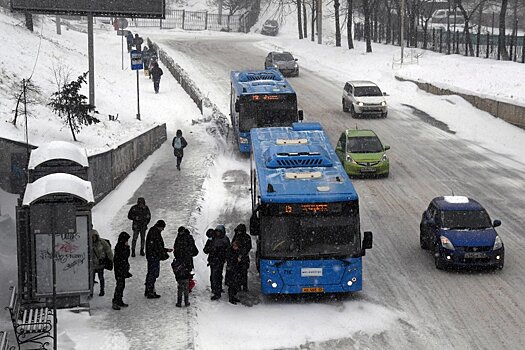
[(160, 223), (181, 229)]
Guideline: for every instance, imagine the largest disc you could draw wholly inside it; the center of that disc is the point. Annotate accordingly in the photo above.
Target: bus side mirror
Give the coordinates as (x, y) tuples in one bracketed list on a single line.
[(237, 107), (300, 115), (255, 225), (367, 241)]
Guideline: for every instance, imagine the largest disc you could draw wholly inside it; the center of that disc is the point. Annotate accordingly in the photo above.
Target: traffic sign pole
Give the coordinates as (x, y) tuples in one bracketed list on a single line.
[(138, 96), (136, 65), (122, 49)]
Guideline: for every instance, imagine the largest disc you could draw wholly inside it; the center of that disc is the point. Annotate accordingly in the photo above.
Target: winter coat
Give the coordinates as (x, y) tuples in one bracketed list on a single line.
[(155, 244), (184, 249), (233, 268), (217, 248), (178, 151), (181, 270), (120, 261), (140, 215), (137, 42), (155, 73), (245, 242), (129, 38), (101, 249)]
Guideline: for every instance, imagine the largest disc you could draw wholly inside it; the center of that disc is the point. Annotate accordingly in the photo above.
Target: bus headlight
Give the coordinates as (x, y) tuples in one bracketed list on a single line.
[(272, 283), (243, 140)]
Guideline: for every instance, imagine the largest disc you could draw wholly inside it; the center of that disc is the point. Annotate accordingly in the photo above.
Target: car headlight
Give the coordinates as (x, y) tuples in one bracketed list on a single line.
[(296, 66), (243, 140), (349, 159), (497, 243), (383, 103), (446, 243), (360, 104), (384, 158)]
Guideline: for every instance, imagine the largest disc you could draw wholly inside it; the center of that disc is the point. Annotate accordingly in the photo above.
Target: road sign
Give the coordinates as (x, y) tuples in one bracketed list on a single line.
[(136, 60), (122, 23), (122, 32)]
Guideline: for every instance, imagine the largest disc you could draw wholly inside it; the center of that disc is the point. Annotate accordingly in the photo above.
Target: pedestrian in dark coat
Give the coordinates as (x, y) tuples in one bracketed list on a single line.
[(155, 252), (137, 42), (184, 248), (155, 73), (245, 242), (216, 247), (121, 269), (183, 276), (233, 271), (141, 216), (129, 40), (101, 251), (179, 143)]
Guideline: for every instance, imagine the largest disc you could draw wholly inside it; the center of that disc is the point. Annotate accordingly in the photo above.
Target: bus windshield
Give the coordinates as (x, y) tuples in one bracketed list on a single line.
[(309, 237), (265, 114)]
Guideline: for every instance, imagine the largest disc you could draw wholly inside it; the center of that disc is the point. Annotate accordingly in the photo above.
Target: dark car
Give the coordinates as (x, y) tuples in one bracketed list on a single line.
[(283, 61), (270, 27), (459, 231)]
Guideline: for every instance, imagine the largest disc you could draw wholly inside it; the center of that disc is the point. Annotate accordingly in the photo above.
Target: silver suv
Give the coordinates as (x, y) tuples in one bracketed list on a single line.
[(364, 98)]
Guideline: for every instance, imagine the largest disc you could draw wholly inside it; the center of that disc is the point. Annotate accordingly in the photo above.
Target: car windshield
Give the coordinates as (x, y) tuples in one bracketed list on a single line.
[(361, 91), (465, 219), (270, 23), (282, 57), (364, 144)]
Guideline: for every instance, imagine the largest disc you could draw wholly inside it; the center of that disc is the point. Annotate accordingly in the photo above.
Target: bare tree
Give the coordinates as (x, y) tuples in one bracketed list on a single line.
[(305, 20), (502, 49), (366, 11), (349, 24), (337, 27), (299, 19), (467, 15), (26, 95)]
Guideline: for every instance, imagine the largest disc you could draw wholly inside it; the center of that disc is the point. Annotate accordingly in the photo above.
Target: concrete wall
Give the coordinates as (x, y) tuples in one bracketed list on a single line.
[(106, 170), (513, 114)]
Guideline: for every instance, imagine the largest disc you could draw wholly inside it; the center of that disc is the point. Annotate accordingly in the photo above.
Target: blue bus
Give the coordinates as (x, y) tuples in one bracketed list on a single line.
[(305, 213), (260, 98)]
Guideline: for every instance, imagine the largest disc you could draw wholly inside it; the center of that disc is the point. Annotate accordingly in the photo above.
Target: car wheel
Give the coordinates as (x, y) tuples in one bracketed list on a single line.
[(384, 115), (345, 109), (297, 74), (352, 112), (422, 242), (440, 265)]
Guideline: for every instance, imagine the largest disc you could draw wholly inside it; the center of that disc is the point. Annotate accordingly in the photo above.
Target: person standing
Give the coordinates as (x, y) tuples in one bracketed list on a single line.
[(184, 248), (121, 269), (155, 252), (179, 143), (141, 217), (146, 56), (129, 40), (137, 42), (216, 247), (233, 271), (182, 275), (155, 73), (245, 242), (101, 251)]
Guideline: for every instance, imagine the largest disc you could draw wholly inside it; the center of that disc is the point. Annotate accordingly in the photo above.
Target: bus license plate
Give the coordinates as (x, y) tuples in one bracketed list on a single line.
[(313, 290)]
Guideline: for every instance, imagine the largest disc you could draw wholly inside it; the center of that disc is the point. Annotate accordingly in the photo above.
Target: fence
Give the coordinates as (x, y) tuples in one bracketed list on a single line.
[(451, 42), (195, 20)]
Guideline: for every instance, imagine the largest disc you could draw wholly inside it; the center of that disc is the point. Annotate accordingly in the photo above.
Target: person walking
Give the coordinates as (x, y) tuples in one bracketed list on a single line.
[(184, 248), (183, 276), (155, 73), (137, 42), (155, 252), (179, 143), (129, 40), (121, 269), (141, 216), (245, 242), (233, 271), (101, 251), (216, 247), (146, 57)]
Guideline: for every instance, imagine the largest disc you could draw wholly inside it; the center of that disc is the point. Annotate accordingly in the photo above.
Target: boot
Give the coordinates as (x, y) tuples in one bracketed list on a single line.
[(122, 303), (133, 254), (179, 303), (142, 252), (101, 294), (215, 297), (115, 305)]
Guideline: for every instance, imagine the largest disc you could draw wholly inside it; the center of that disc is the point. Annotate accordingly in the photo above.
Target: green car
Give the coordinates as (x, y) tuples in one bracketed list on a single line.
[(362, 153)]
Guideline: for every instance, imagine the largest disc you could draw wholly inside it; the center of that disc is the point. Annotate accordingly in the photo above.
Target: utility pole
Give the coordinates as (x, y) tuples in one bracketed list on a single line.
[(59, 27), (91, 60)]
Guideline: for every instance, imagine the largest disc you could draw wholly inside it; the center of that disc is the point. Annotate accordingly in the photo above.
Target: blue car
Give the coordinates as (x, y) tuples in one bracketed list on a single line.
[(460, 233)]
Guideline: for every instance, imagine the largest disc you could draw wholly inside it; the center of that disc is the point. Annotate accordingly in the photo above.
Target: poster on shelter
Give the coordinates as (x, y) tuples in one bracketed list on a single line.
[(71, 261)]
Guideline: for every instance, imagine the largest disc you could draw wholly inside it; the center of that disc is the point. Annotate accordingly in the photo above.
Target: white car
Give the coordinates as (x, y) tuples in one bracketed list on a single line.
[(364, 98)]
